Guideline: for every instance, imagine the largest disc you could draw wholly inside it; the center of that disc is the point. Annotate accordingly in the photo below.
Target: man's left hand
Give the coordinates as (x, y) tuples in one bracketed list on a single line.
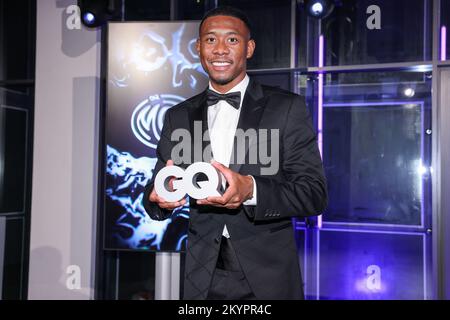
[(240, 189)]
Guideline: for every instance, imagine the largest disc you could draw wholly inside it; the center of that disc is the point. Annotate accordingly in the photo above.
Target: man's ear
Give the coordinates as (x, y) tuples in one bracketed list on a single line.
[(251, 45)]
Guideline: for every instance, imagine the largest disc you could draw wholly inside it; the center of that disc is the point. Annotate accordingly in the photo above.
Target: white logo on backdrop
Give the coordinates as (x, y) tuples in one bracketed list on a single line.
[(148, 117)]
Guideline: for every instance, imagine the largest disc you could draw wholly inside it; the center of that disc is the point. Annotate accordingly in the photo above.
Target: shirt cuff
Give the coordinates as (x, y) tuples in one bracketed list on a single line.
[(252, 200)]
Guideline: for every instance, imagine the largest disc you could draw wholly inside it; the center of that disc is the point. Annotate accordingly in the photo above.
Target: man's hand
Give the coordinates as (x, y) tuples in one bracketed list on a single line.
[(163, 203), (240, 189)]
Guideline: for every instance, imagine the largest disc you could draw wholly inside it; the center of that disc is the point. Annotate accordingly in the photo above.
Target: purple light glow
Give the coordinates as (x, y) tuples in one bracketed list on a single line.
[(320, 108), (443, 43), (422, 154), (371, 272)]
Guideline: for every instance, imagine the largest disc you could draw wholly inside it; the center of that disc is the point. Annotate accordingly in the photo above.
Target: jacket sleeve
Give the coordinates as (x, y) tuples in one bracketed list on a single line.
[(302, 191), (163, 153)]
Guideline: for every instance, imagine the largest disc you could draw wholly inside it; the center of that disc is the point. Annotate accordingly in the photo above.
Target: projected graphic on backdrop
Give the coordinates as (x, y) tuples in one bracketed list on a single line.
[(151, 68)]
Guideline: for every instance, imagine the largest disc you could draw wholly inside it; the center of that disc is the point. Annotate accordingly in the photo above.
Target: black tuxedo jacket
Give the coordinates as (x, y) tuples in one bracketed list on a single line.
[(262, 235)]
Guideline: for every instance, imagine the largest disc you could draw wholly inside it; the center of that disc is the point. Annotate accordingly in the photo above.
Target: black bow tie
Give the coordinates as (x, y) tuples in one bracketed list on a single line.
[(233, 98)]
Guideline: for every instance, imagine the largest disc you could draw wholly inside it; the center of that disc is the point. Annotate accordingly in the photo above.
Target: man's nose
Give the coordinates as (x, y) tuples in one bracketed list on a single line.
[(221, 48)]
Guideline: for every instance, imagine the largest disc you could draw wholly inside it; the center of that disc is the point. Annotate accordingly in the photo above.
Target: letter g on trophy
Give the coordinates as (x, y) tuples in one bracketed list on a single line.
[(186, 182)]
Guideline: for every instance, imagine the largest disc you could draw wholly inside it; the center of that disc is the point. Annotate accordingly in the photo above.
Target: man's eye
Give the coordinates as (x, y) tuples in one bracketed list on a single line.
[(210, 40), (233, 40)]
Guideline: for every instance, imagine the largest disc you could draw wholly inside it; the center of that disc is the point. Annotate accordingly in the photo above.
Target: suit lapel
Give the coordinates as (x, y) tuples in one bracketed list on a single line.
[(249, 118)]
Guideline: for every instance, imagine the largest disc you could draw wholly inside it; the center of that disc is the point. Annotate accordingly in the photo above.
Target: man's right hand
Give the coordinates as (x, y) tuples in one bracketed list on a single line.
[(163, 204)]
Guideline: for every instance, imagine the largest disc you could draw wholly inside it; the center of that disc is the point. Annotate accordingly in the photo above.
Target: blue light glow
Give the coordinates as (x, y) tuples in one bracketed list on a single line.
[(89, 18), (129, 176), (317, 9), (151, 53), (409, 92)]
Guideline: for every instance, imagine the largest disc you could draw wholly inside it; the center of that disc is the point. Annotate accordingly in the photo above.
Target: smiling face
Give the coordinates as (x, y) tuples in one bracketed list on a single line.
[(224, 47)]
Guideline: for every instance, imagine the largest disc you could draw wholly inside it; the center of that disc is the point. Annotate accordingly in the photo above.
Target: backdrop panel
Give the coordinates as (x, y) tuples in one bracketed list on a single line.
[(151, 68)]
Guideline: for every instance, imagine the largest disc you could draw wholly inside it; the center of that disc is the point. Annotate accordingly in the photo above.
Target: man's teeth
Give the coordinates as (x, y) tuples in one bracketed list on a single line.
[(221, 64)]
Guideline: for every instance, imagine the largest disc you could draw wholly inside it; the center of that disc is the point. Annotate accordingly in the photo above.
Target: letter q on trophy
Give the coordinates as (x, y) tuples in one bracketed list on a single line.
[(186, 182)]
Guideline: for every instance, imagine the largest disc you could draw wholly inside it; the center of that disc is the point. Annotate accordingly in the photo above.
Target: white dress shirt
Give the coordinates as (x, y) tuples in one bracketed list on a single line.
[(222, 124)]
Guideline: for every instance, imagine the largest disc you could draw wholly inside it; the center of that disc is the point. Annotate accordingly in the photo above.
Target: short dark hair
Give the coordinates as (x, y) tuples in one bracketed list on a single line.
[(228, 11)]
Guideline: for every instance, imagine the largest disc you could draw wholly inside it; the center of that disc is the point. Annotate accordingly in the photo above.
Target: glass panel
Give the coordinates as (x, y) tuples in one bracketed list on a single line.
[(13, 135), (271, 23), (17, 39), (304, 34), (144, 10), (445, 28), (376, 134), (13, 259), (392, 31), (190, 9), (277, 79), (300, 239), (372, 266), (136, 276)]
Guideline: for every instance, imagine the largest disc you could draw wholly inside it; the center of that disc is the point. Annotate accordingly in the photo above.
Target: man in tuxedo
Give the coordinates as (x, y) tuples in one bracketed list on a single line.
[(241, 245)]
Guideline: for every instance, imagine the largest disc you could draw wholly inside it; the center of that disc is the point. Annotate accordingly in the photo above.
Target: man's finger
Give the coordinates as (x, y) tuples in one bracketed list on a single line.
[(153, 196), (231, 205), (205, 202), (224, 170), (172, 205), (169, 162), (225, 198), (168, 205), (171, 180), (163, 203), (216, 200)]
